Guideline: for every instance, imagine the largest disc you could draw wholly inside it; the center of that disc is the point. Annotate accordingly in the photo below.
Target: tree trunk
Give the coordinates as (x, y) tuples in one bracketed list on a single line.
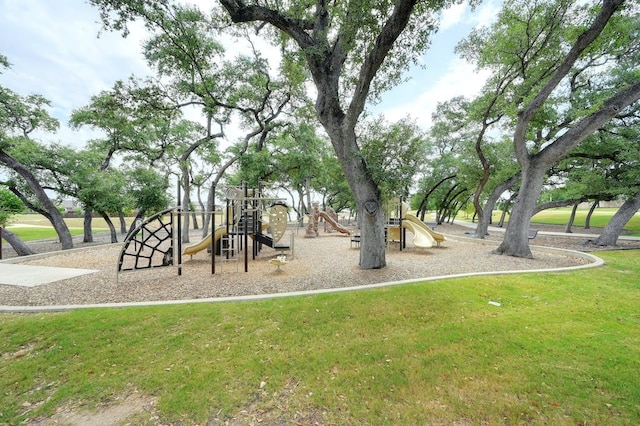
[(505, 209), (365, 191), (186, 200), (516, 236), (56, 219), (372, 245), (194, 218), (123, 224), (587, 221), (206, 224), (572, 218), (112, 228), (485, 219), (611, 232), (422, 208), (18, 245), (372, 223), (203, 213), (88, 219)]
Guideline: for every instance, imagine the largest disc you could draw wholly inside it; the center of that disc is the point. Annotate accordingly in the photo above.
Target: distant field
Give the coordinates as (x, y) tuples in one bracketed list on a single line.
[(599, 218), (30, 227)]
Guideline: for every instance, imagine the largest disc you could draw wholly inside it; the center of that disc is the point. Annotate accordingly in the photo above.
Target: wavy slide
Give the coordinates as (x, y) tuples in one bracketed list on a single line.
[(206, 242), (421, 238), (333, 223), (417, 223)]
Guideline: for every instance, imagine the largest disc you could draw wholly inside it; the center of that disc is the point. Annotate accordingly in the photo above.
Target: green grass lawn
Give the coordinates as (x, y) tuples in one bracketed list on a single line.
[(32, 227), (563, 348), (599, 218)]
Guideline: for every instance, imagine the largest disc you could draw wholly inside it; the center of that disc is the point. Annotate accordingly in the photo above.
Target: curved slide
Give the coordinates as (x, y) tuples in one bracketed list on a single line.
[(206, 241), (436, 236), (421, 238), (333, 223)]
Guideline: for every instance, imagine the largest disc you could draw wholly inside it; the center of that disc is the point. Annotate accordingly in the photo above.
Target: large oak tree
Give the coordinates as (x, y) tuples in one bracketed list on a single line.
[(351, 49), (574, 74)]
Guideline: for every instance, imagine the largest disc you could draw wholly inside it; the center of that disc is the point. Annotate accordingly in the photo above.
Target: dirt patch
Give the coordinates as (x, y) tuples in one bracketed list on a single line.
[(117, 412)]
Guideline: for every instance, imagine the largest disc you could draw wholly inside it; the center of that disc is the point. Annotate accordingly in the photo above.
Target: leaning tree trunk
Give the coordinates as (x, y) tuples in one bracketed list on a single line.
[(56, 219), (194, 218), (611, 232), (516, 235), (211, 207), (123, 224), (505, 209), (587, 221), (572, 218), (483, 223), (112, 228), (88, 218), (18, 245)]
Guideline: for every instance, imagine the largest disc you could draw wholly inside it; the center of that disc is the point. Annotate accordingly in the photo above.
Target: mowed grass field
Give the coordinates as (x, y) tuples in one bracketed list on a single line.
[(599, 218), (30, 227), (561, 349)]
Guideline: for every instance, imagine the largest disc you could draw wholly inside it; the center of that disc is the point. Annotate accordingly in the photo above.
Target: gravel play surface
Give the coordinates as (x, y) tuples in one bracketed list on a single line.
[(328, 261)]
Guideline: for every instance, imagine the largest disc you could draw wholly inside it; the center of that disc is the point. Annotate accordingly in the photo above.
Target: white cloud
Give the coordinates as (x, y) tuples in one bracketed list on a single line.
[(486, 13), (55, 51), (452, 16), (458, 79)]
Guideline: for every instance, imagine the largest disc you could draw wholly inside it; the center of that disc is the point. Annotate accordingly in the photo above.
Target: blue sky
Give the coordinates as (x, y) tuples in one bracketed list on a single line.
[(55, 51)]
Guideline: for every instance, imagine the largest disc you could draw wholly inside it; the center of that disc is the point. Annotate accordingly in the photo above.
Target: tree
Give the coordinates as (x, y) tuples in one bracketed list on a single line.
[(348, 55), (616, 224), (351, 49), (19, 117), (9, 206), (195, 71), (393, 153), (605, 167), (449, 164), (574, 74)]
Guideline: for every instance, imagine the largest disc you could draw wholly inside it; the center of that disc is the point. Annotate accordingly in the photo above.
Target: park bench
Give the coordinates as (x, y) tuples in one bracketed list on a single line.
[(355, 239), (532, 233)]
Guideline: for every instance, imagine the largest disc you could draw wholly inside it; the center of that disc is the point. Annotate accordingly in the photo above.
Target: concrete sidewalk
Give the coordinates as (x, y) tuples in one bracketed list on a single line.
[(496, 229), (32, 276)]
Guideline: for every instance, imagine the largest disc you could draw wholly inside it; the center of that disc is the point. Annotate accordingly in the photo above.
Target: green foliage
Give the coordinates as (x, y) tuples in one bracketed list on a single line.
[(10, 205), (21, 115), (148, 189), (527, 44), (393, 154), (4, 62)]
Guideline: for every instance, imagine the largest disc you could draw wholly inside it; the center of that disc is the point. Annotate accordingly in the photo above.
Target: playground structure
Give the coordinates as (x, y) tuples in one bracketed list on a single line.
[(251, 221), (331, 221), (423, 235)]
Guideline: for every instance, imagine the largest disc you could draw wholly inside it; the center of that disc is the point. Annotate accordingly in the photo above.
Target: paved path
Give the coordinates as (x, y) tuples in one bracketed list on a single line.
[(32, 276), (496, 229)]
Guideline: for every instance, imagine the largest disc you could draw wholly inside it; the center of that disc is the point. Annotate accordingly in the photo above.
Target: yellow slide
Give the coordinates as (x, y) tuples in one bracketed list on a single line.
[(206, 242), (437, 237), (421, 238)]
